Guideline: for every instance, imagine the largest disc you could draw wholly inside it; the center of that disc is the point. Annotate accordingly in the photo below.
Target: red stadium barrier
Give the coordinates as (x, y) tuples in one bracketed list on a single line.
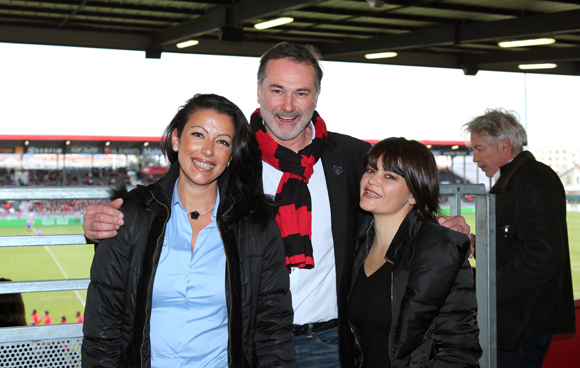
[(565, 349)]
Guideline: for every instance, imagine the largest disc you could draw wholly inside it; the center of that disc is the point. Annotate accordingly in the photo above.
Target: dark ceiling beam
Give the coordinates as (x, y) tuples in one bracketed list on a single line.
[(407, 58), (577, 2), (338, 34), (528, 57), (537, 25), (379, 15), (222, 16), (106, 5), (87, 25), (253, 9), (548, 24), (77, 38), (60, 14), (437, 60), (207, 23), (421, 38), (215, 2), (464, 8)]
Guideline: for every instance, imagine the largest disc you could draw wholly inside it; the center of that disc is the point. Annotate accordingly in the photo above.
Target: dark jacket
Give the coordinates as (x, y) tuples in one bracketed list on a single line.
[(534, 284), (434, 308), (116, 327), (342, 161)]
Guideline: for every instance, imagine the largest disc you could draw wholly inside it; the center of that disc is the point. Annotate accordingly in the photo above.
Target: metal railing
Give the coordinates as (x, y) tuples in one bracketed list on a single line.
[(39, 335), (41, 338), (485, 285)]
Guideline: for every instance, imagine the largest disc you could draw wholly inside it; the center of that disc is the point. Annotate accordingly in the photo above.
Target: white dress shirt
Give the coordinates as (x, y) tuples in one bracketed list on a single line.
[(314, 290)]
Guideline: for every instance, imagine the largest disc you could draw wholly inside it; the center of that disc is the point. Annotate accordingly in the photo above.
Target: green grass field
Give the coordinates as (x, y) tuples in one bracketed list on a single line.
[(573, 222), (36, 263)]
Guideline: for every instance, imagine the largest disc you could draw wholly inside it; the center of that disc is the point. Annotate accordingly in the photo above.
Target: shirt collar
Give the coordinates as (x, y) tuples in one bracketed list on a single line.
[(177, 206)]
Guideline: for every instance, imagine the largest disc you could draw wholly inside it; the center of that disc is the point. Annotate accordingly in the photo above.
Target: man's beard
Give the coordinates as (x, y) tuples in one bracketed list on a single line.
[(283, 134)]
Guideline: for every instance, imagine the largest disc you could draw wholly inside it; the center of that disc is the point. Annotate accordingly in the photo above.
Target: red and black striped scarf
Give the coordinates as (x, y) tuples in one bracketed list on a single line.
[(294, 216)]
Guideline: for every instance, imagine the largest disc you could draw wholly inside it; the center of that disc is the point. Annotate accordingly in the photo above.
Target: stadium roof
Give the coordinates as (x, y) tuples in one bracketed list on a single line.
[(53, 144), (460, 34)]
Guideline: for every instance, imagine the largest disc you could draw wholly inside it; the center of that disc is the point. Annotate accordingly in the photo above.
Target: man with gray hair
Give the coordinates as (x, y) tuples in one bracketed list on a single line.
[(534, 284)]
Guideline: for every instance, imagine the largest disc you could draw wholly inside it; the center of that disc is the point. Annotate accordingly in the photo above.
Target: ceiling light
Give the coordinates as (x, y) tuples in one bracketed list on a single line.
[(429, 146), (381, 55), (108, 144), (376, 3), (274, 23), (146, 144), (455, 147), (67, 143), (537, 66), (187, 43), (26, 143), (521, 43)]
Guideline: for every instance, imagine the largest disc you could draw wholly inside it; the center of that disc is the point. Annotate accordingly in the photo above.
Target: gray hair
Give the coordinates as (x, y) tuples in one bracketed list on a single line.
[(497, 124), (299, 53)]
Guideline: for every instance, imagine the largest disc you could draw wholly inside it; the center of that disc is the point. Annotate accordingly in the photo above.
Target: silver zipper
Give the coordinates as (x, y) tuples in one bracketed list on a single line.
[(350, 291), (229, 285), (391, 332), (152, 277)]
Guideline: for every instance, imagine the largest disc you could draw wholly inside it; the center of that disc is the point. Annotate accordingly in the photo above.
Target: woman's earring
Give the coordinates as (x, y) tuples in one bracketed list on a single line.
[(228, 163), (175, 148)]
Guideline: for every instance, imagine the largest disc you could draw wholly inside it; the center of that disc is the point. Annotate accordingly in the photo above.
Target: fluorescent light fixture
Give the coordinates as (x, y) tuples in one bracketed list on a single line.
[(522, 43), (187, 43), (274, 23), (537, 66), (381, 55)]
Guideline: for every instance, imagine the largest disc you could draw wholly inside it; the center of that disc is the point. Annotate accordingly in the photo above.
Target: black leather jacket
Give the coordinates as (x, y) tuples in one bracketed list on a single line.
[(434, 308), (116, 328)]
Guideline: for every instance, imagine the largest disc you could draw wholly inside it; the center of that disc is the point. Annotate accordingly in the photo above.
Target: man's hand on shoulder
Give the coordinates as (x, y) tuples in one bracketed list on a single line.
[(458, 224), (102, 221)]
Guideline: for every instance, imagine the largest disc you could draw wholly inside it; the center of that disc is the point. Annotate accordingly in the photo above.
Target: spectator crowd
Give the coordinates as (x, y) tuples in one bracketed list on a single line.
[(41, 177)]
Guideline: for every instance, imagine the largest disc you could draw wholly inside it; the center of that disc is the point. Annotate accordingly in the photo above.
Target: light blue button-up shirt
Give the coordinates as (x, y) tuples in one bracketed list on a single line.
[(189, 319)]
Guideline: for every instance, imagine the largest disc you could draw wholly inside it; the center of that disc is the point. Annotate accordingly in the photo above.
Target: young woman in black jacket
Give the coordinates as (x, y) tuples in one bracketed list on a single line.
[(196, 276), (412, 301)]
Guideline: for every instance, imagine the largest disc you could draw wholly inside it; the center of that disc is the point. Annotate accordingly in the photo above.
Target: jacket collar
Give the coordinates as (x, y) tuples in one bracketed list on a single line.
[(510, 169), (407, 231)]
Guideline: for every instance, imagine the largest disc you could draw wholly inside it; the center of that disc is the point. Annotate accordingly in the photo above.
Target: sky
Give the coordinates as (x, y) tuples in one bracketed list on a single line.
[(80, 91)]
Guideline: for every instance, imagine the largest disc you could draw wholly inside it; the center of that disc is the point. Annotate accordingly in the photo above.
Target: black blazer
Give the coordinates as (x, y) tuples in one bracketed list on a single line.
[(343, 168), (342, 161), (534, 284)]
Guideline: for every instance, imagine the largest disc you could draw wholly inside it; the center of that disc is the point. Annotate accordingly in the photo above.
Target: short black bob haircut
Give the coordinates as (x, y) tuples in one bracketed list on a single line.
[(245, 168), (414, 162)]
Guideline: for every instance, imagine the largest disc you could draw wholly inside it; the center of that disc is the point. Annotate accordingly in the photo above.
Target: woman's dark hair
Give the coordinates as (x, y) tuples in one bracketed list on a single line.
[(245, 169), (11, 309), (416, 164)]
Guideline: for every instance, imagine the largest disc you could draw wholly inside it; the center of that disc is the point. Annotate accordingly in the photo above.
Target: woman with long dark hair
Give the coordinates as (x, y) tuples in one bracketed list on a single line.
[(196, 276), (412, 301)]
